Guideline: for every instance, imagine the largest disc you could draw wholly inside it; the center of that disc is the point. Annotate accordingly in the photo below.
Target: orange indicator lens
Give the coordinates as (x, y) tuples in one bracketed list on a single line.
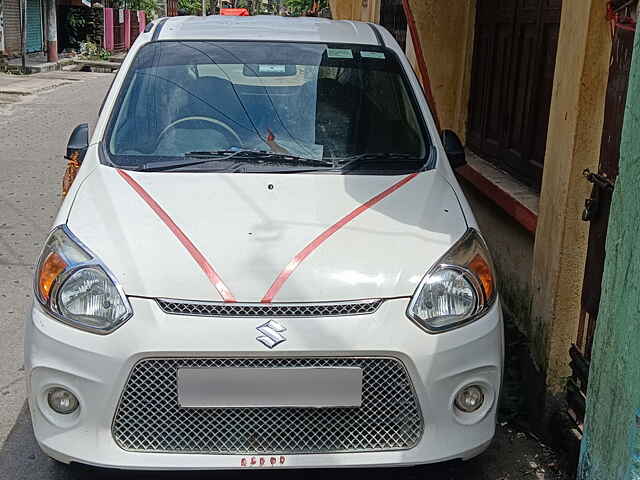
[(52, 266), (483, 271)]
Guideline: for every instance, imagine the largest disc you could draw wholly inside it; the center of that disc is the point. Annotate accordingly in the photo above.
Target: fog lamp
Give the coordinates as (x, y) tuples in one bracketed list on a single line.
[(62, 401), (469, 399)]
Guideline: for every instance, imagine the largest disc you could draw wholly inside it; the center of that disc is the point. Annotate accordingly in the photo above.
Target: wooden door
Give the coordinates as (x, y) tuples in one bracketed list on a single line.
[(512, 81), (172, 8), (393, 18), (597, 213), (118, 30)]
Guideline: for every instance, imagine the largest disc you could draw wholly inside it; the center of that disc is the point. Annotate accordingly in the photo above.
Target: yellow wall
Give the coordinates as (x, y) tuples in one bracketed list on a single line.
[(573, 144), (446, 34), (360, 10), (344, 9)]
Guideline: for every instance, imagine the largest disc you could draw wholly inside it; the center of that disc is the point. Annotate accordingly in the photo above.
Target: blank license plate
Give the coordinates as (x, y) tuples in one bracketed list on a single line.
[(270, 387)]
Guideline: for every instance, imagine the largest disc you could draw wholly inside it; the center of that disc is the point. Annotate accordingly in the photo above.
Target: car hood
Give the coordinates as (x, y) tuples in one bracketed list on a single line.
[(249, 227)]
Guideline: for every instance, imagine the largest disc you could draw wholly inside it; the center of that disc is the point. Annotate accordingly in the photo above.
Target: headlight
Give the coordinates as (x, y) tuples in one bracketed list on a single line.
[(76, 288), (458, 289)]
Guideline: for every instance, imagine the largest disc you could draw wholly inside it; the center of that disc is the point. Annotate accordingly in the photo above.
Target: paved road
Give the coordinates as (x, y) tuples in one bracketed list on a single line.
[(33, 135)]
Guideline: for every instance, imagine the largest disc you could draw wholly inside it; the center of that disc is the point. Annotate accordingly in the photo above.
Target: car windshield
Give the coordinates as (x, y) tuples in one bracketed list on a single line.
[(266, 105)]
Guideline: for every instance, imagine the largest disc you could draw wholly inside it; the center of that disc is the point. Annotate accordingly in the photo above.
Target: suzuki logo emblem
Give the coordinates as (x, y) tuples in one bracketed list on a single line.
[(271, 334)]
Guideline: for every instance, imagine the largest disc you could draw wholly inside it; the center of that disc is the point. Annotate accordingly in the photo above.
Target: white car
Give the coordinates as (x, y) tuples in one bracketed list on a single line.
[(265, 261)]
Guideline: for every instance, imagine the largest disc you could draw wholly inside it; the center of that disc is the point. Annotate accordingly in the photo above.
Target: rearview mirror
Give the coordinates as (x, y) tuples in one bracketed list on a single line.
[(454, 149), (78, 143), (268, 70)]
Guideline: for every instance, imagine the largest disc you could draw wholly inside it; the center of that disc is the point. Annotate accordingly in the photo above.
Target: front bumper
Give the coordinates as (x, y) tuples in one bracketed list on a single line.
[(96, 369)]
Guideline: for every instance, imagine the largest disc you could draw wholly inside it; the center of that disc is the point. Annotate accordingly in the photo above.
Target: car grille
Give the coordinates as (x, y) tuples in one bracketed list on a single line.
[(149, 418), (220, 309)]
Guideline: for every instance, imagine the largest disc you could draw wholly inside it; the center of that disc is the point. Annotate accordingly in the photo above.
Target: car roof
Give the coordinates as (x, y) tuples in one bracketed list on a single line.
[(272, 28)]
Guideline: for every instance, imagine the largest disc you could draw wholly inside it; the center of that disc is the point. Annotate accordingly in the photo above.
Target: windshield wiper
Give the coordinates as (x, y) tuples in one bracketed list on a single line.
[(345, 164), (268, 157), (349, 163), (202, 157), (261, 157)]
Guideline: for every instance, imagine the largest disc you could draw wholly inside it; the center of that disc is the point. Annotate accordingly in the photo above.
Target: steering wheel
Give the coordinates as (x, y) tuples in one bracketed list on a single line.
[(225, 129)]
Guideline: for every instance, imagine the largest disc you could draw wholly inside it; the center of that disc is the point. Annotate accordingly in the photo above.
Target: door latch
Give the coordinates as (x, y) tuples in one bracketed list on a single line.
[(592, 204), (599, 180)]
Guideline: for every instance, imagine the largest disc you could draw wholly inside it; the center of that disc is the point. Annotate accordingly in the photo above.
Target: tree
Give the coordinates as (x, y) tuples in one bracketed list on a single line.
[(193, 7), (299, 8), (149, 6)]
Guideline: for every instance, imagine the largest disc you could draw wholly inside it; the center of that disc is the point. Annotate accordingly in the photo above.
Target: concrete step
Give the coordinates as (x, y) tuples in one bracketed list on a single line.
[(39, 67), (119, 58), (98, 65)]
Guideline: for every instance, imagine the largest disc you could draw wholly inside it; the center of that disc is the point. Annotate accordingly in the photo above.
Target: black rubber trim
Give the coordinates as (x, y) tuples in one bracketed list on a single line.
[(156, 32), (377, 33)]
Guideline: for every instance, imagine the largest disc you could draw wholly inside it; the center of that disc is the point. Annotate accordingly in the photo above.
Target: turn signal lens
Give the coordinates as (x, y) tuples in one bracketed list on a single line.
[(58, 255), (52, 266), (481, 268)]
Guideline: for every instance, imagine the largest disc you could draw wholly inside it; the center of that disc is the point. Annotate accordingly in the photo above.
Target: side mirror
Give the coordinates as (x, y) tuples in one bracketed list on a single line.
[(76, 150), (454, 149), (78, 143)]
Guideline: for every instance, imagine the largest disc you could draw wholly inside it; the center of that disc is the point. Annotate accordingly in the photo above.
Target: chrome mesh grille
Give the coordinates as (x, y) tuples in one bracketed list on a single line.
[(149, 418), (219, 309)]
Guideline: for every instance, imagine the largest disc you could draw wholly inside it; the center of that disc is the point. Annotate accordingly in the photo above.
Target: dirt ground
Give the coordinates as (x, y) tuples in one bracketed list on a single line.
[(514, 455)]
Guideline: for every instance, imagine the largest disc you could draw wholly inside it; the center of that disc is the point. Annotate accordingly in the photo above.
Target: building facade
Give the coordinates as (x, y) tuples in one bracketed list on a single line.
[(10, 30), (525, 83), (10, 14)]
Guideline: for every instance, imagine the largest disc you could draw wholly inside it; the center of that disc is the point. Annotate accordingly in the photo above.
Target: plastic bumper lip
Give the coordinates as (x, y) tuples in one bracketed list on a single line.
[(96, 368)]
